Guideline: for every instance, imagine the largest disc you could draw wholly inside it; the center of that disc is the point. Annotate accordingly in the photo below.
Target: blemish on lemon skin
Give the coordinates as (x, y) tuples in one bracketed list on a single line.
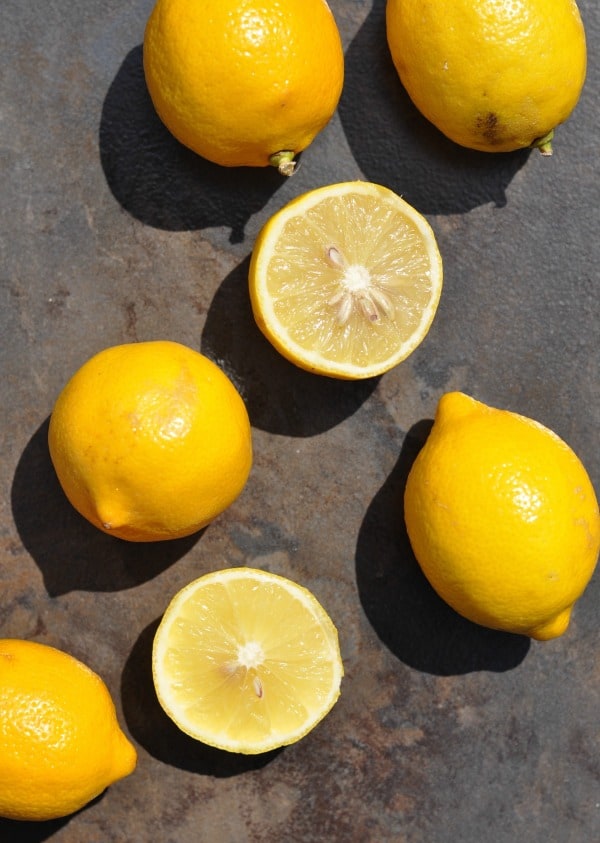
[(487, 126)]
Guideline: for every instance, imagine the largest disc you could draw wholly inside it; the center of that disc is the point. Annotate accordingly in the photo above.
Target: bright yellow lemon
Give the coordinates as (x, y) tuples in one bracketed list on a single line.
[(244, 84), (495, 75), (60, 742), (150, 441), (502, 518)]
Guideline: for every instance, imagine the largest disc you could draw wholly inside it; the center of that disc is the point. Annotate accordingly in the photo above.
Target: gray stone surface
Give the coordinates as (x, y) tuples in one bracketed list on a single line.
[(111, 232)]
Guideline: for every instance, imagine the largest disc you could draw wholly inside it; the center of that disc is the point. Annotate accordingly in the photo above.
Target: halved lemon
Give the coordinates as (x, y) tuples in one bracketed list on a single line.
[(345, 280), (246, 661)]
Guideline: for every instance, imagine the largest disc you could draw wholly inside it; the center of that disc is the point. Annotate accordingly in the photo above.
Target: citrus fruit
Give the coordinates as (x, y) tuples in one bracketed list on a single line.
[(244, 83), (496, 75), (150, 441), (246, 661), (345, 280), (60, 742), (502, 517)]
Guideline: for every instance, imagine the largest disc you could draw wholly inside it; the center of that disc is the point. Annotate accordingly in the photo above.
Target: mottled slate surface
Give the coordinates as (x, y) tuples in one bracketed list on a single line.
[(112, 232)]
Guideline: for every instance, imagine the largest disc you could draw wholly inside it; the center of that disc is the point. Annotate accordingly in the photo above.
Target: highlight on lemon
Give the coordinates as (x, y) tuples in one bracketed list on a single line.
[(150, 441), (60, 742), (502, 518), (246, 660), (495, 76), (345, 280), (244, 84)]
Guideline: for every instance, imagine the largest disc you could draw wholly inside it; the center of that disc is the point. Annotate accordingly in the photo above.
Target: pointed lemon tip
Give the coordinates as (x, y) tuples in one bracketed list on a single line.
[(111, 516), (125, 757), (553, 628), (455, 405)]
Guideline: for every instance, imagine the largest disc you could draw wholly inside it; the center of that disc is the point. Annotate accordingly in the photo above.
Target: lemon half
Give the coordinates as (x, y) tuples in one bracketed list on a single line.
[(246, 661), (345, 280)]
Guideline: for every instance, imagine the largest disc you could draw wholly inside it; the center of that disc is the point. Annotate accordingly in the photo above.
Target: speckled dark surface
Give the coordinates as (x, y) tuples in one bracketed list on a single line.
[(111, 232)]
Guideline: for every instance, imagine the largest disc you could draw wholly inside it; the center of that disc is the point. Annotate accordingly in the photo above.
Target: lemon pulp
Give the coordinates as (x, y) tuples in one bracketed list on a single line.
[(346, 279), (246, 661)]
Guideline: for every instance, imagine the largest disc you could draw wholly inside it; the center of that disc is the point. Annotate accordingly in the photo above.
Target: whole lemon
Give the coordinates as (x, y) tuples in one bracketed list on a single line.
[(60, 742), (244, 83), (150, 441), (495, 75), (502, 517)]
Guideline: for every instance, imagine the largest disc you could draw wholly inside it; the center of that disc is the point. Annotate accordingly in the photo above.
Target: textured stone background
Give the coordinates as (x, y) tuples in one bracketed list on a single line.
[(112, 232)]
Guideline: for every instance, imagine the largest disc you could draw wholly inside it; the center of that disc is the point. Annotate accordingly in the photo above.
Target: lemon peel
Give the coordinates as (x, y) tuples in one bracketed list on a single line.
[(502, 518)]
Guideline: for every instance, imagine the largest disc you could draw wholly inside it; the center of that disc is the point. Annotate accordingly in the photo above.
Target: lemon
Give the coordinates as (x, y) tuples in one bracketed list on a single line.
[(496, 75), (345, 280), (246, 661), (60, 742), (150, 441), (244, 84), (502, 517)]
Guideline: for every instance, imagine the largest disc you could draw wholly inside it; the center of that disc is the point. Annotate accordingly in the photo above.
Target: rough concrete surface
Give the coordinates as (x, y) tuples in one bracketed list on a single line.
[(112, 232)]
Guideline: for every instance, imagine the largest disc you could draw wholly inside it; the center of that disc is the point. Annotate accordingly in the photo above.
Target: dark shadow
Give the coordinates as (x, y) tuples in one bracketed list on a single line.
[(406, 613), (71, 553), (20, 831), (396, 146), (157, 733), (15, 831), (161, 182), (280, 397)]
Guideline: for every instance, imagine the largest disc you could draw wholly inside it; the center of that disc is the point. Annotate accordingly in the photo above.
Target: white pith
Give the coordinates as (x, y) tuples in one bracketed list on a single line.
[(357, 290)]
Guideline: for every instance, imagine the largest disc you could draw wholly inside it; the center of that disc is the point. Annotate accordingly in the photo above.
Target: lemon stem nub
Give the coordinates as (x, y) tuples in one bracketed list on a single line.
[(284, 161), (545, 144)]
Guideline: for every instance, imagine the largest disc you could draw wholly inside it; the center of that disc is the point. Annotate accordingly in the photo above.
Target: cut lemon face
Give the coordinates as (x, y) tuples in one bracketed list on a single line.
[(246, 661), (345, 280)]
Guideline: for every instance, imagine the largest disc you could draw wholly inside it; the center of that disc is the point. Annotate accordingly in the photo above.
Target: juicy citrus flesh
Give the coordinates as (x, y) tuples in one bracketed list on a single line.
[(246, 661), (240, 82), (150, 441), (496, 75), (345, 280), (502, 517), (60, 742)]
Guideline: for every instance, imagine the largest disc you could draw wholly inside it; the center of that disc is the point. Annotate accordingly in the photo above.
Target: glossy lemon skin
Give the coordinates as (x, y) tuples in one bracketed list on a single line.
[(496, 75), (239, 82), (60, 741), (150, 441), (502, 517)]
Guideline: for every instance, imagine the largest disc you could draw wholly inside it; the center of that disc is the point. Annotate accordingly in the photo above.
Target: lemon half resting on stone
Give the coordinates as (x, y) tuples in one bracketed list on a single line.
[(345, 280), (246, 661)]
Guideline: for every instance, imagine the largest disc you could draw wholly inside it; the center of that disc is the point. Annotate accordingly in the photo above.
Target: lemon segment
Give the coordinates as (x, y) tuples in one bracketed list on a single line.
[(246, 661), (345, 280)]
